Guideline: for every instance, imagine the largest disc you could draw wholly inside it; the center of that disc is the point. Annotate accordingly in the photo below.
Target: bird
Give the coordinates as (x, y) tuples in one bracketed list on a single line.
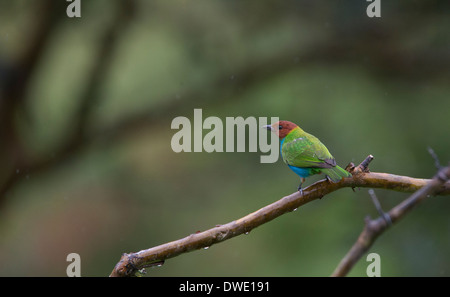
[(305, 154)]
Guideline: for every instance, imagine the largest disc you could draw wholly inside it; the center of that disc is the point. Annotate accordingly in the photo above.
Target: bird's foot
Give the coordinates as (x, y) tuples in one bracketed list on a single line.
[(302, 180)]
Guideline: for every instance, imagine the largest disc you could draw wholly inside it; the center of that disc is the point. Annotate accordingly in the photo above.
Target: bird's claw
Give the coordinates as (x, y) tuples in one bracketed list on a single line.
[(302, 180)]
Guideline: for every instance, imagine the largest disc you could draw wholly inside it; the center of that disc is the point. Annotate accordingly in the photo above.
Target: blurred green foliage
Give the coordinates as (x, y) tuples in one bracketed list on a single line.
[(363, 86)]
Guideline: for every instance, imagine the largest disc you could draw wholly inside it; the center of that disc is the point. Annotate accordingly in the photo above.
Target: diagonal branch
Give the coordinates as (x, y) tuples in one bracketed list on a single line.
[(132, 263), (373, 228)]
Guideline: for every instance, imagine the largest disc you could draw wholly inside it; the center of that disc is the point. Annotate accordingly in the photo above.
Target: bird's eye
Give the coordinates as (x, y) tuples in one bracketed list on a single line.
[(280, 127)]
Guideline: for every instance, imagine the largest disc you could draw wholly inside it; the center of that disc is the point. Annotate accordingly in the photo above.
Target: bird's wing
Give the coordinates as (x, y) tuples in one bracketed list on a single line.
[(307, 151)]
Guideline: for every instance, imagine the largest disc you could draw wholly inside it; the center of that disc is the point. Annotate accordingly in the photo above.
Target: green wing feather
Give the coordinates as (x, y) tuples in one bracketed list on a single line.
[(304, 150), (301, 149)]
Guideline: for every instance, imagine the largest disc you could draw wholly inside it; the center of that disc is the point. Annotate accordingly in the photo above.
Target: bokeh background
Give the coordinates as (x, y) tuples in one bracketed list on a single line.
[(86, 107)]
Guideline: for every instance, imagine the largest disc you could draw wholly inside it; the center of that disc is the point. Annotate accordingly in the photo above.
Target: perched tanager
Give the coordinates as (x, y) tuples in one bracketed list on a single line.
[(305, 154)]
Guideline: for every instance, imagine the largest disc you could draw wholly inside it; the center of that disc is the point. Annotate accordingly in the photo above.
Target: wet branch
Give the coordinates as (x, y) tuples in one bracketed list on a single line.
[(132, 263), (373, 228)]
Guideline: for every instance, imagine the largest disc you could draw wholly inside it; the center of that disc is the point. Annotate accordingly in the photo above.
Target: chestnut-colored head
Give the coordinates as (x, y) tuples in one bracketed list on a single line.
[(281, 128)]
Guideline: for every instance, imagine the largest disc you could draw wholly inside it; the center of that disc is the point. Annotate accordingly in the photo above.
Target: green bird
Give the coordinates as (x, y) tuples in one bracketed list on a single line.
[(305, 154)]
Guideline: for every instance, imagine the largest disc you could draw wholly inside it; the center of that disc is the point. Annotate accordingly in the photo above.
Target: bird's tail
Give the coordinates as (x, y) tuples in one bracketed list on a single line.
[(336, 173)]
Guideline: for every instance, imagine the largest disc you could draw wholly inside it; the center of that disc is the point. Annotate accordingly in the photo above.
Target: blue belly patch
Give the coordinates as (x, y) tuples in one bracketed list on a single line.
[(302, 172)]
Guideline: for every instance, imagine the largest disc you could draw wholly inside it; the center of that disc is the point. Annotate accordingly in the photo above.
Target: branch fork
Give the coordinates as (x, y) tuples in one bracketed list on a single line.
[(132, 264)]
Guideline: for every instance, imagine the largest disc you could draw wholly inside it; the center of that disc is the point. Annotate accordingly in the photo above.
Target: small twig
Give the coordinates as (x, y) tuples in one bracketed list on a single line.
[(373, 228), (377, 204), (364, 166), (435, 157)]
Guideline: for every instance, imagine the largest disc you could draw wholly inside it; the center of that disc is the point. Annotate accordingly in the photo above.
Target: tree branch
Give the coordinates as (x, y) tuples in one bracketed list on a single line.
[(373, 228), (75, 140), (132, 263), (15, 78)]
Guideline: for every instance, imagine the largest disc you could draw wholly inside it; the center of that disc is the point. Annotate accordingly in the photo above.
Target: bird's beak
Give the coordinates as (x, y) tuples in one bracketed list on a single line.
[(268, 127)]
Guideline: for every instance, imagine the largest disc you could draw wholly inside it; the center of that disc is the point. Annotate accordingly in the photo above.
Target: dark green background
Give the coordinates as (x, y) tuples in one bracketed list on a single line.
[(377, 86)]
